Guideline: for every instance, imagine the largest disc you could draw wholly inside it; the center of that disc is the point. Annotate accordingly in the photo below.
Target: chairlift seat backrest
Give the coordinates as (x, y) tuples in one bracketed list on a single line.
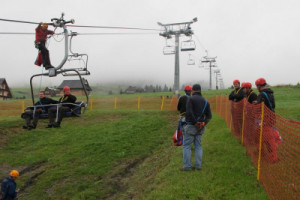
[(169, 50), (188, 45)]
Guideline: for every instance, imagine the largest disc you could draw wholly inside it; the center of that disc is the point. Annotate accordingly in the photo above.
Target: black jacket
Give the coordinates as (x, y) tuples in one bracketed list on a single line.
[(181, 106), (266, 96), (45, 101), (8, 189), (68, 99), (194, 108), (252, 96), (237, 95)]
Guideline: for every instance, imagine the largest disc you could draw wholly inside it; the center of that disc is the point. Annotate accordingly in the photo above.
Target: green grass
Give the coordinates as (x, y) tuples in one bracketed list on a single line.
[(121, 154), (127, 154)]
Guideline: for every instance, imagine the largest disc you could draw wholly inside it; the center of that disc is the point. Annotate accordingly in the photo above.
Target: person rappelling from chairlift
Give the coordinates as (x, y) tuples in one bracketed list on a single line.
[(41, 33)]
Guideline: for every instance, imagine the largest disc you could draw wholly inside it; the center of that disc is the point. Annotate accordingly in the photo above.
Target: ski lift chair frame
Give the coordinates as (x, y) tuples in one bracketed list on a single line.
[(188, 45), (80, 107), (77, 56), (169, 50)]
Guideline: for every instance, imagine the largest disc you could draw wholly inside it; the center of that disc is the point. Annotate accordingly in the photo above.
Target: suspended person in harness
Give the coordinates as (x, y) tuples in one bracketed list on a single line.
[(35, 113), (41, 33), (8, 186), (270, 134), (66, 102), (198, 114), (181, 107), (250, 95)]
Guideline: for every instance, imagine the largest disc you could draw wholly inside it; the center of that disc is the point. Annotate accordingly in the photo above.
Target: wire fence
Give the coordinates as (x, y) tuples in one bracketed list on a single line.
[(15, 108), (271, 141)]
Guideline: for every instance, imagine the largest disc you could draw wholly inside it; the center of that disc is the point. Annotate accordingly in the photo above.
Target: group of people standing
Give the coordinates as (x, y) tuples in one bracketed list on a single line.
[(266, 96), (196, 113)]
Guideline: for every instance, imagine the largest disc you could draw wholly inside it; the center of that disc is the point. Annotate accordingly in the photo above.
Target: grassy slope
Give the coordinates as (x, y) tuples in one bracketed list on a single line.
[(125, 154), (128, 154)]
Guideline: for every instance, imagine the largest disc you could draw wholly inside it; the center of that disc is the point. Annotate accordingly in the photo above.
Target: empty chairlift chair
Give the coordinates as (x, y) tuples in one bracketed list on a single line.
[(188, 45)]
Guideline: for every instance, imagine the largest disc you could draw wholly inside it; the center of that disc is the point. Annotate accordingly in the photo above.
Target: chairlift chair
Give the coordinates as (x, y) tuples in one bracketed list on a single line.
[(191, 61), (83, 58), (73, 71), (188, 45), (169, 50)]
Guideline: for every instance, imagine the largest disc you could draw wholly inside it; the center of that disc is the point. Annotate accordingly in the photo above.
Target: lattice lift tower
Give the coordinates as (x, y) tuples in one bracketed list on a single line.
[(177, 29)]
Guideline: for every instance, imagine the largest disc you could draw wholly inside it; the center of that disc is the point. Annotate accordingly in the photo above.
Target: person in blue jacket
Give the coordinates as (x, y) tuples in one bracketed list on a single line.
[(198, 114), (8, 186)]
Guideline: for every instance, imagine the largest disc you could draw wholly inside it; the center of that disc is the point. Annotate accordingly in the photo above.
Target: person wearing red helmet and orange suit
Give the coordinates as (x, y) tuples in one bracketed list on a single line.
[(66, 102), (8, 186), (271, 137), (41, 33), (249, 93)]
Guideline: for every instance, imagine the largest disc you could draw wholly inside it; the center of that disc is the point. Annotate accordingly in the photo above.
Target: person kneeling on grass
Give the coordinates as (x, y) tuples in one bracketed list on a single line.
[(198, 114), (66, 102), (8, 186)]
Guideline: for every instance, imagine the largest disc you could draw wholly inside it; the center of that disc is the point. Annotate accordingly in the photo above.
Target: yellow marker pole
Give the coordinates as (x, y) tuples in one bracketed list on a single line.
[(115, 105), (91, 104), (139, 102), (22, 106), (243, 124), (260, 141), (162, 103)]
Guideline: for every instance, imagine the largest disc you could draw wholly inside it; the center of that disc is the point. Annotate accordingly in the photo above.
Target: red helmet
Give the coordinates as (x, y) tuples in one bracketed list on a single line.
[(260, 82), (188, 88), (66, 88), (236, 81), (247, 85)]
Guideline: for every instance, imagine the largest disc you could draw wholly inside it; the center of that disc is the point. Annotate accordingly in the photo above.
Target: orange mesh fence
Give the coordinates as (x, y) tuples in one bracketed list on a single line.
[(272, 142)]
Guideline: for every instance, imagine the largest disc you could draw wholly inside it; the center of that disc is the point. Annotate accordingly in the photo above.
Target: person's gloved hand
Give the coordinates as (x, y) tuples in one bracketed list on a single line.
[(200, 125)]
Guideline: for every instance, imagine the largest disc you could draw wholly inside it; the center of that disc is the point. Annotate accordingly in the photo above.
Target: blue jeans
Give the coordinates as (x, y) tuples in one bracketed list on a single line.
[(192, 135)]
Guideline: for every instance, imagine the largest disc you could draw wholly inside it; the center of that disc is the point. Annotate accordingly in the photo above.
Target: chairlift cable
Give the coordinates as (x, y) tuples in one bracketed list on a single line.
[(200, 43), (18, 21), (15, 33), (20, 33), (83, 26), (114, 27), (116, 33)]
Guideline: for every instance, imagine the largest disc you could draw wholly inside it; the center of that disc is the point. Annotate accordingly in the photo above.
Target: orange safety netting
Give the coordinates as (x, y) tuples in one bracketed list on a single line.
[(272, 142)]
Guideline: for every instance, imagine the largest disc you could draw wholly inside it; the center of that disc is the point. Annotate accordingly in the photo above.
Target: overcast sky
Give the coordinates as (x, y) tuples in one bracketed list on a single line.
[(251, 39)]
